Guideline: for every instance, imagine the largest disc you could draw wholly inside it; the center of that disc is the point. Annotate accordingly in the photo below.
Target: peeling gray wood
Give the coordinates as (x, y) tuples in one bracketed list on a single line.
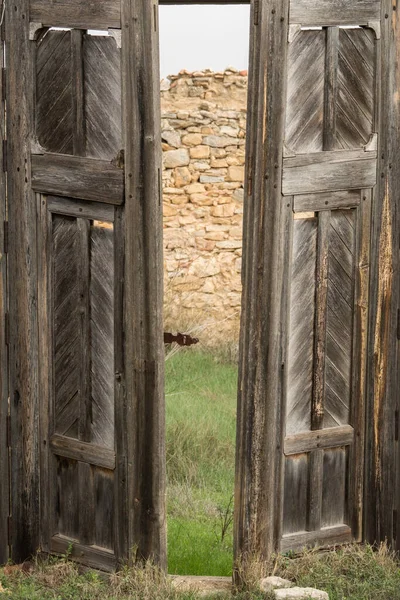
[(320, 175), (143, 280), (23, 351), (334, 12), (101, 14), (324, 438), (330, 536), (327, 201), (75, 177), (82, 451), (4, 466)]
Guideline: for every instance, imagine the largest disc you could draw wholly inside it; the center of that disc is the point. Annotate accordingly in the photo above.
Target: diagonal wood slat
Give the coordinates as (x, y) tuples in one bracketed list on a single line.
[(66, 325), (304, 113), (54, 92), (340, 318), (102, 85), (301, 331), (355, 99), (102, 334)]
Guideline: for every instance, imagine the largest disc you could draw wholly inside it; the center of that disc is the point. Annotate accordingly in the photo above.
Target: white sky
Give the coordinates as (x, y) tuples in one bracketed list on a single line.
[(200, 37)]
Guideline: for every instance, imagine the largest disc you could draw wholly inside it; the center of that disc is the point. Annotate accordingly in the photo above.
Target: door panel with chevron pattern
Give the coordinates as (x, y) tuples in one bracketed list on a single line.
[(78, 141), (329, 174)]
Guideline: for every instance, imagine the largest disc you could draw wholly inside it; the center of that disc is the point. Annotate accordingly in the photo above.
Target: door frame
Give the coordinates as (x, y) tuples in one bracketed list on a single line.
[(260, 429)]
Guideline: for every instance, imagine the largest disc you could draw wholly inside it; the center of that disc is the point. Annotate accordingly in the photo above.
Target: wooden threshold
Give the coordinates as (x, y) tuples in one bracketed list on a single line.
[(329, 536), (91, 556), (82, 451), (76, 177)]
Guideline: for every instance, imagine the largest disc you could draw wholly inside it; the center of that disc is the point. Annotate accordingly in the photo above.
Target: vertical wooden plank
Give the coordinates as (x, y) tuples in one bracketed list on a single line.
[(359, 375), (78, 101), (317, 404), (22, 288), (4, 454), (121, 446), (331, 87), (46, 409), (261, 353), (382, 364), (143, 278), (85, 398)]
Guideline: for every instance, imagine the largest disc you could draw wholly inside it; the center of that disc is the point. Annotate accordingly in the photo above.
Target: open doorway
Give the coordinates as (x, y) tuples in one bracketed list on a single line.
[(203, 104)]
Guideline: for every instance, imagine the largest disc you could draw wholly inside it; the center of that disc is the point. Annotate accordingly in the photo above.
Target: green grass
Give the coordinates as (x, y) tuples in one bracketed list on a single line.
[(201, 429)]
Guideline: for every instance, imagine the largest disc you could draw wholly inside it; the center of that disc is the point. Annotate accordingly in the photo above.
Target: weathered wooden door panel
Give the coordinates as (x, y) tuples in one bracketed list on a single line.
[(78, 81), (312, 177), (79, 408), (326, 125), (326, 358), (88, 143)]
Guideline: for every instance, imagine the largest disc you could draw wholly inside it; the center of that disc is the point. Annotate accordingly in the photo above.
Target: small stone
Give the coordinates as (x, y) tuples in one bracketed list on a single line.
[(238, 195), (297, 593), (176, 158), (172, 138), (217, 141), (169, 211), (230, 244), (223, 210), (269, 584), (199, 152), (235, 174), (195, 188), (192, 139), (182, 176), (208, 179)]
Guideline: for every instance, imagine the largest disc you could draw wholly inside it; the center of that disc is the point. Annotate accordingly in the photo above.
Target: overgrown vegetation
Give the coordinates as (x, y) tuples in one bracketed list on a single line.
[(348, 573), (201, 423)]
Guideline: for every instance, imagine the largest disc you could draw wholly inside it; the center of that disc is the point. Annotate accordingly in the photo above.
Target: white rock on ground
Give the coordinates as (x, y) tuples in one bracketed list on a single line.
[(297, 593), (269, 584)]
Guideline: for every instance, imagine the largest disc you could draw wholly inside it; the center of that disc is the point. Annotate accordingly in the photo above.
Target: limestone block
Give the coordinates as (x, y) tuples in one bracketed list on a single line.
[(172, 138), (195, 188), (182, 177), (206, 245), (236, 233), (199, 152), (297, 593), (204, 267), (176, 158), (179, 200), (274, 583), (173, 191), (201, 166), (207, 131), (169, 211), (218, 152), (217, 236), (209, 179), (219, 141), (235, 174), (201, 200), (218, 163), (238, 195), (230, 131), (192, 139), (230, 244), (232, 160)]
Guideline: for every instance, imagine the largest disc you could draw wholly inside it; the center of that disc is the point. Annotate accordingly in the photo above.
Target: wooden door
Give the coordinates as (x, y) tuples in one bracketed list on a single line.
[(90, 197), (314, 183)]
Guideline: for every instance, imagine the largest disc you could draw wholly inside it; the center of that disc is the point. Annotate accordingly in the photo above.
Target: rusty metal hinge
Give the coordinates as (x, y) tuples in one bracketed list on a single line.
[(396, 426), (3, 83), (256, 11), (5, 237), (8, 431)]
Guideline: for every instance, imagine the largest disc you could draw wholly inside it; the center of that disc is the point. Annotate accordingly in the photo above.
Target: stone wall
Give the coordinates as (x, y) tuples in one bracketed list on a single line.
[(203, 136)]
